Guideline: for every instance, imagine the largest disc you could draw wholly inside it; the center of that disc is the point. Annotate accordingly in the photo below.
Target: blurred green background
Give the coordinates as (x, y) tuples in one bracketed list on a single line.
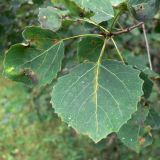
[(29, 129)]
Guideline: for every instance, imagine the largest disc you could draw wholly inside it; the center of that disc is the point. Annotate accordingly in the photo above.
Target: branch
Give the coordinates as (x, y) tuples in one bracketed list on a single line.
[(147, 47), (126, 30)]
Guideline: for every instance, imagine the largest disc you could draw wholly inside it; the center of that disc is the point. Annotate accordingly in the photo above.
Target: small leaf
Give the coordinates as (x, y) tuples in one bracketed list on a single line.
[(35, 63), (102, 9), (147, 86), (140, 62), (153, 119), (97, 99), (133, 134), (143, 10), (50, 18), (71, 6), (89, 49)]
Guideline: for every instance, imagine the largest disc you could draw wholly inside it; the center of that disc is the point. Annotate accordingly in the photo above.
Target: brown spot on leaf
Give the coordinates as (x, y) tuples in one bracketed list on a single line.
[(55, 41), (93, 42), (141, 140), (85, 61), (31, 75)]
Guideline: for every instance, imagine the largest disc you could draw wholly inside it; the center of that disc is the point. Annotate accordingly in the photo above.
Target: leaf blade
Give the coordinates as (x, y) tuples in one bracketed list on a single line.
[(133, 134), (50, 18), (83, 102), (32, 63), (103, 9)]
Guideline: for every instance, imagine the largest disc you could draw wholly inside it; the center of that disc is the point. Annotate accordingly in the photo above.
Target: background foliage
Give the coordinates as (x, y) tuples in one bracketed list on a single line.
[(29, 129)]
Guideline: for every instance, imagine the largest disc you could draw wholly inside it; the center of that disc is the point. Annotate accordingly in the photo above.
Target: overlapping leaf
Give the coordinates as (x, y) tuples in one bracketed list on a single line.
[(89, 48), (147, 86), (102, 9), (74, 9), (140, 62), (153, 119), (144, 10), (37, 62), (97, 99), (50, 18), (134, 133), (116, 2)]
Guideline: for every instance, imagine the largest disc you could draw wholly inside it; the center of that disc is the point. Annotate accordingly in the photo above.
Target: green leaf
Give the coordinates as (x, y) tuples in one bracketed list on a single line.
[(89, 49), (155, 37), (147, 86), (102, 9), (144, 10), (140, 62), (134, 133), (97, 99), (50, 18), (117, 2), (70, 5), (37, 62), (153, 119)]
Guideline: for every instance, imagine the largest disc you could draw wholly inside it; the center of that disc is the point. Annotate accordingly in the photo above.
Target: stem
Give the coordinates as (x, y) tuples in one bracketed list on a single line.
[(118, 51), (115, 19), (147, 46), (120, 25), (96, 24), (82, 35), (102, 52), (126, 30)]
